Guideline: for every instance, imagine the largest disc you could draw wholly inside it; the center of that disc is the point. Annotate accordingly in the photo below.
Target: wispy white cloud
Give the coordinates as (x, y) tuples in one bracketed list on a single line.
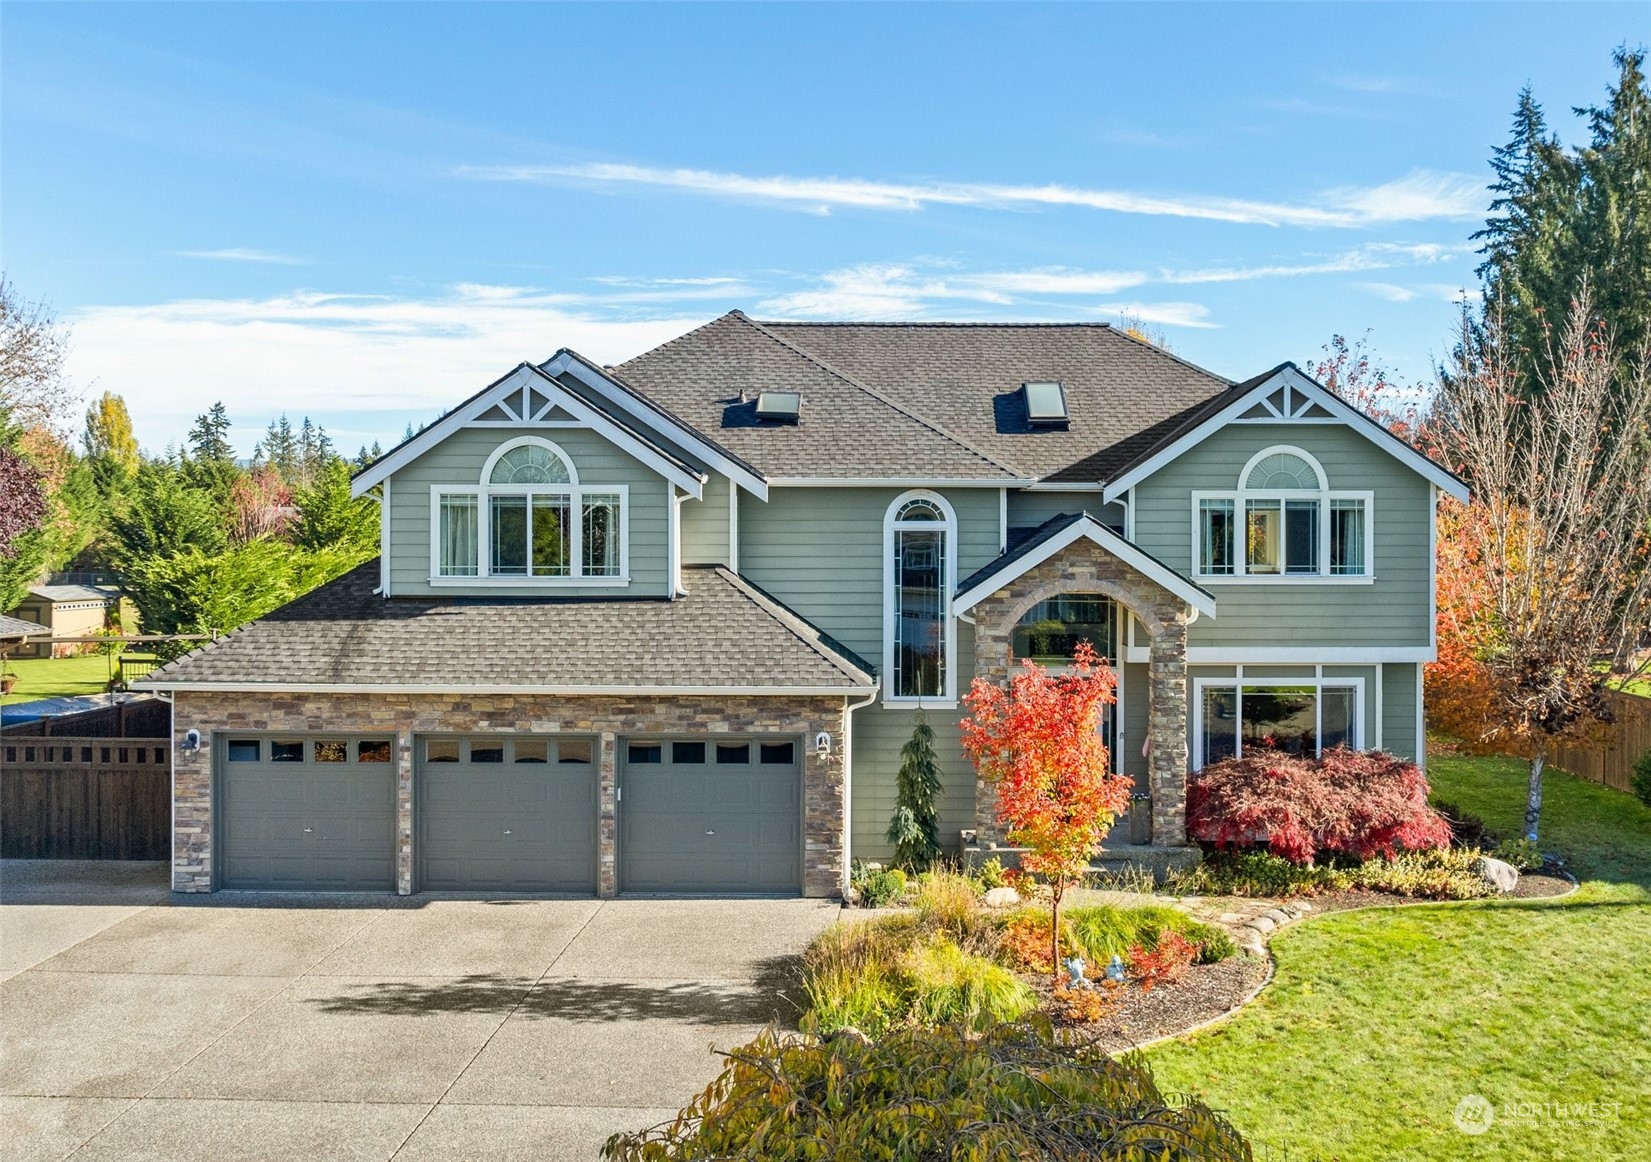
[(1165, 314), (1419, 195), (1392, 292), (337, 355), (243, 254), (1375, 256)]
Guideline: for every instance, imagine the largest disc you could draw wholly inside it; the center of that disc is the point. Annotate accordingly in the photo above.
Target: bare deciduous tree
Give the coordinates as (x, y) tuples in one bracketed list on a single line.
[(1562, 479), (33, 346)]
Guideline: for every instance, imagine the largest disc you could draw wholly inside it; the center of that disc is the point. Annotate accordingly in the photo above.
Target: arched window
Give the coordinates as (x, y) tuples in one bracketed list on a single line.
[(530, 519), (1283, 521), (919, 638)]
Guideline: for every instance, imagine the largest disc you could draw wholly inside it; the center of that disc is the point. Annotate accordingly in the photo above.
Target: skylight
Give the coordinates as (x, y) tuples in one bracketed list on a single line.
[(1045, 403), (779, 406)]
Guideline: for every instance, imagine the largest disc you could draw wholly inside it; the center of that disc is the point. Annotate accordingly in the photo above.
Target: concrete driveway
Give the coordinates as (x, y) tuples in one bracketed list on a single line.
[(137, 1025)]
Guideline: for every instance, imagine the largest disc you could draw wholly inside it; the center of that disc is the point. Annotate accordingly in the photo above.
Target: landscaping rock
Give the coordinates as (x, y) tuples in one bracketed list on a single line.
[(1002, 898), (1278, 916), (1262, 924), (1504, 877)]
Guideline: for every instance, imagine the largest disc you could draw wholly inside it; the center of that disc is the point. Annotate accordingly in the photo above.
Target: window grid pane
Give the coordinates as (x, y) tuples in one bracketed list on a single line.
[(508, 533), (459, 540), (601, 536), (550, 536), (1263, 536), (1215, 534), (919, 607), (1347, 538), (1301, 535)]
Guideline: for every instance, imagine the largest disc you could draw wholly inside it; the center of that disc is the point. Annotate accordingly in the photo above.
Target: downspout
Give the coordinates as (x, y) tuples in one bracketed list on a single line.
[(675, 567), (384, 538), (848, 777)]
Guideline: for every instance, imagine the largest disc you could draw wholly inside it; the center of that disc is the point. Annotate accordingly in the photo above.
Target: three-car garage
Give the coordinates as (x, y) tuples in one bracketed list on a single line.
[(510, 813)]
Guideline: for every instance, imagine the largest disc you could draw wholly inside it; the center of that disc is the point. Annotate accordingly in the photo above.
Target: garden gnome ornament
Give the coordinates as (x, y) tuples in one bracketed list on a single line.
[(1115, 968), (1075, 966)]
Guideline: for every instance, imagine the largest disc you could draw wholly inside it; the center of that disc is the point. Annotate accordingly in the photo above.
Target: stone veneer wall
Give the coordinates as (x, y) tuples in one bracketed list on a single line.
[(609, 718), (1085, 567)]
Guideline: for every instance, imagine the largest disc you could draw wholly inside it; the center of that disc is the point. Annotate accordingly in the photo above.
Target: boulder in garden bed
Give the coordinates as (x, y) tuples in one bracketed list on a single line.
[(1002, 898), (1504, 877)]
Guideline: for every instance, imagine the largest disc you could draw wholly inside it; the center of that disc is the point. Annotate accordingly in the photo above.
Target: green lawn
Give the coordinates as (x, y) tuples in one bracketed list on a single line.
[(1380, 1021), (58, 677)]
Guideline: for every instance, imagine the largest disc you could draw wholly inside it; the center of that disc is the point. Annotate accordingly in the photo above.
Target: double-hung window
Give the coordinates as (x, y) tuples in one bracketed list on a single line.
[(529, 519), (1282, 521)]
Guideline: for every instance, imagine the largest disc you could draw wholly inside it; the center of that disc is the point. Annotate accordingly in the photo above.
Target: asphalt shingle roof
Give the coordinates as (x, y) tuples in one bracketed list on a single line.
[(848, 429), (966, 378), (725, 633), (16, 627)]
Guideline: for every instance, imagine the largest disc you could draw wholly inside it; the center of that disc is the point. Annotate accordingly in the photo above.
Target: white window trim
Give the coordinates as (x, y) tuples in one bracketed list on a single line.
[(947, 698), (1324, 495), (1318, 682), (576, 494)]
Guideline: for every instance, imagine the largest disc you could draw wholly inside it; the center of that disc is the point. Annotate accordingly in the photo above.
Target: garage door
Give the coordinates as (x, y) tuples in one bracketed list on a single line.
[(511, 813), (704, 815), (314, 813)]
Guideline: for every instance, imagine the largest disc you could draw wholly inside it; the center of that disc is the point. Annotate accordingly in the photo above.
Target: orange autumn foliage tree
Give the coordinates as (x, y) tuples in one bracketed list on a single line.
[(1039, 745)]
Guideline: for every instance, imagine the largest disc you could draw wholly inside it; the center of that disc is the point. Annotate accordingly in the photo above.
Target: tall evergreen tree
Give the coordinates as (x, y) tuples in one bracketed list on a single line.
[(1615, 225), (209, 438), (278, 449), (915, 827)]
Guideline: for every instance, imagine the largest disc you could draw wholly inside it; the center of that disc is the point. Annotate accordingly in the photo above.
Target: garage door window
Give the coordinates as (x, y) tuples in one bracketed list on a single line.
[(243, 750), (375, 751), (286, 752), (530, 750), (645, 754), (487, 752), (441, 750), (687, 752), (779, 752), (332, 751), (574, 750), (736, 753)]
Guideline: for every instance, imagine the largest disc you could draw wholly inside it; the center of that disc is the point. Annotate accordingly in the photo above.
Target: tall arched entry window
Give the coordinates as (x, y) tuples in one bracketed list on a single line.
[(1050, 631), (920, 566)]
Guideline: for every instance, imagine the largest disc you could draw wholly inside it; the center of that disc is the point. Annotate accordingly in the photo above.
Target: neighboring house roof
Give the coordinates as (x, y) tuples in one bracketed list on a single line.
[(16, 629), (726, 636), (1055, 534), (847, 429), (967, 377), (74, 593)]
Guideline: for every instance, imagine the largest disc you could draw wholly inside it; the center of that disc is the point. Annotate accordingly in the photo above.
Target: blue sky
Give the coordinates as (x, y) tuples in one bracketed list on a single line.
[(365, 212)]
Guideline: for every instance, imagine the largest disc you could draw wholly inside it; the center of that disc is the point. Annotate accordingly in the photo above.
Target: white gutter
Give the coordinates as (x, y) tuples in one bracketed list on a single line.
[(461, 688)]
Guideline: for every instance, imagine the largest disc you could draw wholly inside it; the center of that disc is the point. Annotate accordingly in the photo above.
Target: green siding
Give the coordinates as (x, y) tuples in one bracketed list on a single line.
[(458, 460), (1399, 692), (1135, 694), (820, 551), (705, 525), (879, 734), (1028, 509), (1392, 611)]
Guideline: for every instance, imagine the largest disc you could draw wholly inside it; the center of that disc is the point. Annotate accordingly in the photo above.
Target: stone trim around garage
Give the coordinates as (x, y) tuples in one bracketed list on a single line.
[(609, 718)]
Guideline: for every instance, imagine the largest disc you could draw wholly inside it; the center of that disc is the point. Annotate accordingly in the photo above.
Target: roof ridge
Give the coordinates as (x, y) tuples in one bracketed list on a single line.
[(931, 323), (786, 616), (875, 394)]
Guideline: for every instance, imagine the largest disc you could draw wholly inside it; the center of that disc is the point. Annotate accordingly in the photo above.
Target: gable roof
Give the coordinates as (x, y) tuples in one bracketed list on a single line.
[(847, 429), (15, 628), (725, 637), (966, 377), (1055, 534), (621, 429), (1198, 423)]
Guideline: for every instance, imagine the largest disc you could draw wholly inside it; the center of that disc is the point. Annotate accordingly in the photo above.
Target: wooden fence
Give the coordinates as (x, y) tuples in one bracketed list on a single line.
[(85, 797), (147, 717), (1609, 756)]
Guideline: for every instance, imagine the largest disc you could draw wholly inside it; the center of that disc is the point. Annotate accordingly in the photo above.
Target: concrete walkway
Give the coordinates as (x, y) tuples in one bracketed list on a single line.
[(137, 1025)]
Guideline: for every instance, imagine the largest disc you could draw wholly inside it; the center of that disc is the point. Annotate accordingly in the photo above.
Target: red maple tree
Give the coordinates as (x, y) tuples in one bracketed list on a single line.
[(1039, 744)]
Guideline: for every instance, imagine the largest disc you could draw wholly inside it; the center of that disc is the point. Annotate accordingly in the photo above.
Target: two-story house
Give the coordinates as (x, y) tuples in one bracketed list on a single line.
[(664, 627)]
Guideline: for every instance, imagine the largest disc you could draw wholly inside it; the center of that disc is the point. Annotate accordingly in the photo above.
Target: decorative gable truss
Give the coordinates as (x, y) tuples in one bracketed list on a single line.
[(1289, 396), (529, 398)]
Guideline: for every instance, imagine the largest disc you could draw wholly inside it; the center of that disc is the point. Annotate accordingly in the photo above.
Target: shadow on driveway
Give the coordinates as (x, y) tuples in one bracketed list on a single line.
[(772, 996)]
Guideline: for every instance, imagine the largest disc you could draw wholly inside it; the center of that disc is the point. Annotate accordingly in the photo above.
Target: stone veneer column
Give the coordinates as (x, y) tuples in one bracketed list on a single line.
[(825, 807), (1167, 729), (191, 805), (404, 813), (607, 817)]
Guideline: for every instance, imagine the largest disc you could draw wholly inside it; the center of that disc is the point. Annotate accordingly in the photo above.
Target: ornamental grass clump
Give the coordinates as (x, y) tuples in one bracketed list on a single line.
[(949, 986), (1360, 803), (1015, 1092)]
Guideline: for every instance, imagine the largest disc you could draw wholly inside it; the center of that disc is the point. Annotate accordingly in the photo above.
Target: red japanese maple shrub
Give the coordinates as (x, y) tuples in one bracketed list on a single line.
[(1166, 962), (1361, 803)]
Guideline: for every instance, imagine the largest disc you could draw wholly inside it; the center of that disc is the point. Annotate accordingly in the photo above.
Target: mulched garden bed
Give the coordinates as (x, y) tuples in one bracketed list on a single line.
[(1206, 992), (1532, 886)]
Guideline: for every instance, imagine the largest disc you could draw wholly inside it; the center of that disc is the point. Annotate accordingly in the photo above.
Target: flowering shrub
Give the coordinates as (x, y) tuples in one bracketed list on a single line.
[(1364, 803), (1164, 963)]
